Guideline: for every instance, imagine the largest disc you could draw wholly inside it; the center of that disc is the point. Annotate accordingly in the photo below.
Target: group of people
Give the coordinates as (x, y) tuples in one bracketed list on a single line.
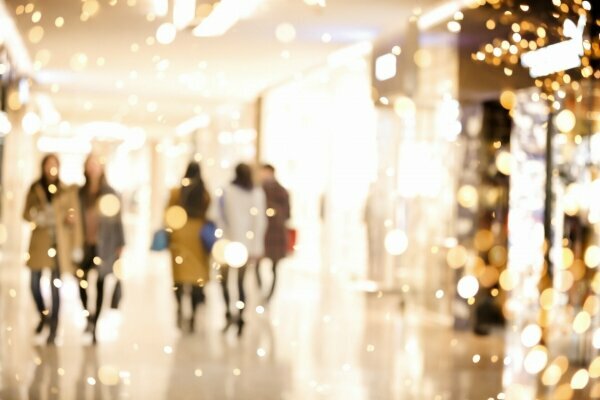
[(70, 234), (247, 212), (73, 233)]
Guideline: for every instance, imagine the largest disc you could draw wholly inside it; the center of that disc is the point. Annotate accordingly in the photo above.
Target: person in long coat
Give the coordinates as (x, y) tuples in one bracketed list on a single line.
[(189, 258), (278, 213), (52, 209), (103, 234), (243, 220)]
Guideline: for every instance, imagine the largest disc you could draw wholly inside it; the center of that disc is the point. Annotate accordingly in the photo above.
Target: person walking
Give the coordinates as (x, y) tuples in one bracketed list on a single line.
[(53, 211), (243, 208), (104, 237), (278, 213), (189, 259)]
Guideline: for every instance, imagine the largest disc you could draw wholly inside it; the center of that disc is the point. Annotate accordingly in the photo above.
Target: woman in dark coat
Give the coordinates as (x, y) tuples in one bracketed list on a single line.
[(103, 236), (278, 213)]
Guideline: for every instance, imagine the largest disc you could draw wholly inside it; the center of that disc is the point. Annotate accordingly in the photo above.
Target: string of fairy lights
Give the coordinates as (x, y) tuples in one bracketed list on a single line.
[(523, 28)]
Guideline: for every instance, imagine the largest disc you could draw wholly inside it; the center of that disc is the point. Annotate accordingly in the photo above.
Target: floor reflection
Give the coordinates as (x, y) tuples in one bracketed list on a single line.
[(319, 339)]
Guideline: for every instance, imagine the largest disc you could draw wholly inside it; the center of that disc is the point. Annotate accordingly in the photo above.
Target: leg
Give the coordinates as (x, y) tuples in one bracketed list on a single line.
[(197, 299), (55, 305), (83, 291), (116, 297), (36, 277), (89, 252), (275, 262), (258, 280), (226, 298), (99, 301), (241, 273), (178, 290)]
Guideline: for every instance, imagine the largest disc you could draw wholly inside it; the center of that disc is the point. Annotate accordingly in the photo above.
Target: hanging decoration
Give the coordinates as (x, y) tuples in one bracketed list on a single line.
[(558, 43)]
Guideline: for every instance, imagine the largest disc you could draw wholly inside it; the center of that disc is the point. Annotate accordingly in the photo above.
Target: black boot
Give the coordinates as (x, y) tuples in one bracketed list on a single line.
[(53, 329), (40, 325)]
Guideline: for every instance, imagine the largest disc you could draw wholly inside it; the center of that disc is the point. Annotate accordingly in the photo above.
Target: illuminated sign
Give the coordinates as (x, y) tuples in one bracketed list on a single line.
[(560, 56)]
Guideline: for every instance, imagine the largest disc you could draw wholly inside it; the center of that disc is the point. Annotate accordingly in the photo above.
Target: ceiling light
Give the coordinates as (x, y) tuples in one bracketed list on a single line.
[(285, 32), (165, 34), (160, 7), (183, 13), (441, 13), (224, 16), (197, 122)]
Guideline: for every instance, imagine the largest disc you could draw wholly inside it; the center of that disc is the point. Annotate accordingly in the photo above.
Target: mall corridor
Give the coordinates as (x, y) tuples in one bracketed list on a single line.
[(300, 199)]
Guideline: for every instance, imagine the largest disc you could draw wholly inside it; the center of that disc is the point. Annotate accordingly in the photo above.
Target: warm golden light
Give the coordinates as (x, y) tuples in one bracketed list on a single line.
[(108, 375), (508, 99), (551, 375), (109, 205), (457, 257), (565, 121), (536, 360), (580, 379), (467, 287), (484, 240), (467, 196), (592, 256), (582, 322), (175, 217)]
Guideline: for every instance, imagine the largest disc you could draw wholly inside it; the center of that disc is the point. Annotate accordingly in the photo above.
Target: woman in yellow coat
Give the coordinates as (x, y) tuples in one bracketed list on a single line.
[(190, 261), (52, 209)]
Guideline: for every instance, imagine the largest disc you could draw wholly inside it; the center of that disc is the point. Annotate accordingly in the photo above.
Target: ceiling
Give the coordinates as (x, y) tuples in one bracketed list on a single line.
[(126, 74)]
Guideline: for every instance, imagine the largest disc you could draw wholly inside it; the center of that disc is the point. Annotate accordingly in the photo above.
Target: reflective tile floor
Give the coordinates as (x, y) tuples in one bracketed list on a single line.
[(319, 339)]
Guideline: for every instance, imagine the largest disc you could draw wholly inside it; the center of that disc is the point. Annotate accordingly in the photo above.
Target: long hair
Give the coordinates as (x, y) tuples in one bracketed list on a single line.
[(86, 185), (243, 177), (43, 179), (194, 197), (45, 160)]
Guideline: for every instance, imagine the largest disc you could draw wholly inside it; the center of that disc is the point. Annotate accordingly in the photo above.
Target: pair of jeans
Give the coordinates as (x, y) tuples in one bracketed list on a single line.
[(36, 291), (87, 265)]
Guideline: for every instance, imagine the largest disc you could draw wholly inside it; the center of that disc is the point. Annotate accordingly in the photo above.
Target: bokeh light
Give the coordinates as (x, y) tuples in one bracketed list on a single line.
[(176, 217), (531, 335), (592, 256), (236, 254), (467, 287), (396, 242), (218, 251), (109, 205), (457, 257), (536, 360), (467, 196), (565, 121)]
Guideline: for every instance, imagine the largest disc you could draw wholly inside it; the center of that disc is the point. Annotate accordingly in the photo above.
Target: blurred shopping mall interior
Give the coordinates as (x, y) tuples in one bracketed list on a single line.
[(416, 183)]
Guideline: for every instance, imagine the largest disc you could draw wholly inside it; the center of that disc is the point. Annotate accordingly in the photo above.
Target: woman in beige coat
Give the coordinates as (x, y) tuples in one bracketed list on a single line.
[(190, 261), (56, 240)]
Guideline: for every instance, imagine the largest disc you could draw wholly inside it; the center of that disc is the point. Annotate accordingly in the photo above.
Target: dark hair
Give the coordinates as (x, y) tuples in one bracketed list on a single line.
[(43, 179), (47, 158), (193, 171), (194, 198), (86, 185), (269, 167), (243, 177)]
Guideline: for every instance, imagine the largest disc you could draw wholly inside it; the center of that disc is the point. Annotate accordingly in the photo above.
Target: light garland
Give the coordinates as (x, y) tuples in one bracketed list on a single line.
[(532, 28)]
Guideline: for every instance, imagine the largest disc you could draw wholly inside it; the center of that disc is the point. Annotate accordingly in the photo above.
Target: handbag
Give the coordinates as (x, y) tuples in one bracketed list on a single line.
[(292, 237), (160, 240), (208, 235)]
